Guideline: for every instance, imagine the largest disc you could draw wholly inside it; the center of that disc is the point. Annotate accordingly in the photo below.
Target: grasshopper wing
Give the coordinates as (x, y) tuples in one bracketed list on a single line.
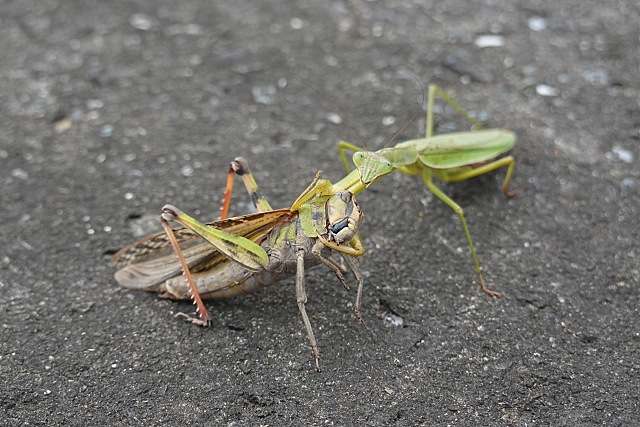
[(145, 264)]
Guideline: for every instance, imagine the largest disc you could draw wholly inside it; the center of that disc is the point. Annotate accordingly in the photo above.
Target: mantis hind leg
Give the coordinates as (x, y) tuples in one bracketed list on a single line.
[(437, 90), (240, 167), (446, 176), (428, 180)]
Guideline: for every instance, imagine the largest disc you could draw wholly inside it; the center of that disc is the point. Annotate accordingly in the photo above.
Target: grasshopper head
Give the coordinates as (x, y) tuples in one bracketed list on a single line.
[(343, 217), (371, 166)]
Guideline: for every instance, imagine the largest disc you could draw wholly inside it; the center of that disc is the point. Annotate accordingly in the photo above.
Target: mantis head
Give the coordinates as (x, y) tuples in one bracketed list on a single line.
[(371, 166)]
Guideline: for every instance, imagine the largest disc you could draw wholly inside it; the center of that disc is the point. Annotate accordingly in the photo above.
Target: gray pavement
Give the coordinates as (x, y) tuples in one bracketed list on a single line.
[(109, 110)]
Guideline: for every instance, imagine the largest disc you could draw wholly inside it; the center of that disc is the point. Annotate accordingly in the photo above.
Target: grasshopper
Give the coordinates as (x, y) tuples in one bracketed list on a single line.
[(243, 254), (451, 157)]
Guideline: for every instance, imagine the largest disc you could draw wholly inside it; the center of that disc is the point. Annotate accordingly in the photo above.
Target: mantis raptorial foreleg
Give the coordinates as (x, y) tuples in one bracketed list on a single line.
[(317, 188), (240, 167)]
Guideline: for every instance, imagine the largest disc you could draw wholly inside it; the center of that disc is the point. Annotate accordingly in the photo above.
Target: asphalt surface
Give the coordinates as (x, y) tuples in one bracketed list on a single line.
[(109, 110)]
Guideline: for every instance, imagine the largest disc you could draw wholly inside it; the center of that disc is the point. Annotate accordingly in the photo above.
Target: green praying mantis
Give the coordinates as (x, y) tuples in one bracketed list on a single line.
[(450, 157)]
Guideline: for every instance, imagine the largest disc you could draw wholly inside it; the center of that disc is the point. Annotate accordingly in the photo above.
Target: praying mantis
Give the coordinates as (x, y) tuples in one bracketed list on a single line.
[(243, 254), (450, 157)]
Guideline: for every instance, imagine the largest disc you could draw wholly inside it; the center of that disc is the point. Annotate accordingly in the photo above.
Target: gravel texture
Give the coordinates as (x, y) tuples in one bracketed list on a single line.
[(109, 110)]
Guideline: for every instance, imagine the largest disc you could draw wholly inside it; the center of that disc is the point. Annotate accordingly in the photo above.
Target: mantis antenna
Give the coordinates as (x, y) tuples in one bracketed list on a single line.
[(349, 126), (413, 117), (339, 115)]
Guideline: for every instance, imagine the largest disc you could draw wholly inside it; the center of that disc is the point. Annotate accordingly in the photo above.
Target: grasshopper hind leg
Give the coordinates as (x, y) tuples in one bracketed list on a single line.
[(204, 320), (239, 166)]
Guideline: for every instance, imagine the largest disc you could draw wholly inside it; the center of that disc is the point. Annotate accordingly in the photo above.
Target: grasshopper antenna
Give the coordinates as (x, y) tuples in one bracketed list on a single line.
[(340, 115), (413, 117)]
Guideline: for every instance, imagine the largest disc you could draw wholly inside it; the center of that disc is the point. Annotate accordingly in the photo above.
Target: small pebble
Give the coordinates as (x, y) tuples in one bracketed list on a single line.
[(106, 131), (490, 40), (140, 21), (546, 90), (537, 23)]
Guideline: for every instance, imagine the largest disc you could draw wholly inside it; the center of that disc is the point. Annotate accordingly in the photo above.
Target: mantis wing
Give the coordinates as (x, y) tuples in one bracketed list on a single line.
[(462, 149)]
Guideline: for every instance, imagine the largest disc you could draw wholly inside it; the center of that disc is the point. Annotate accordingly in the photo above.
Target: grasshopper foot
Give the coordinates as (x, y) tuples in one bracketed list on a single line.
[(358, 317), (193, 320)]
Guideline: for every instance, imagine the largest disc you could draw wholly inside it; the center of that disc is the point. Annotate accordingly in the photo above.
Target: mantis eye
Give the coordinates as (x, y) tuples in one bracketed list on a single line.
[(384, 168), (358, 158)]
